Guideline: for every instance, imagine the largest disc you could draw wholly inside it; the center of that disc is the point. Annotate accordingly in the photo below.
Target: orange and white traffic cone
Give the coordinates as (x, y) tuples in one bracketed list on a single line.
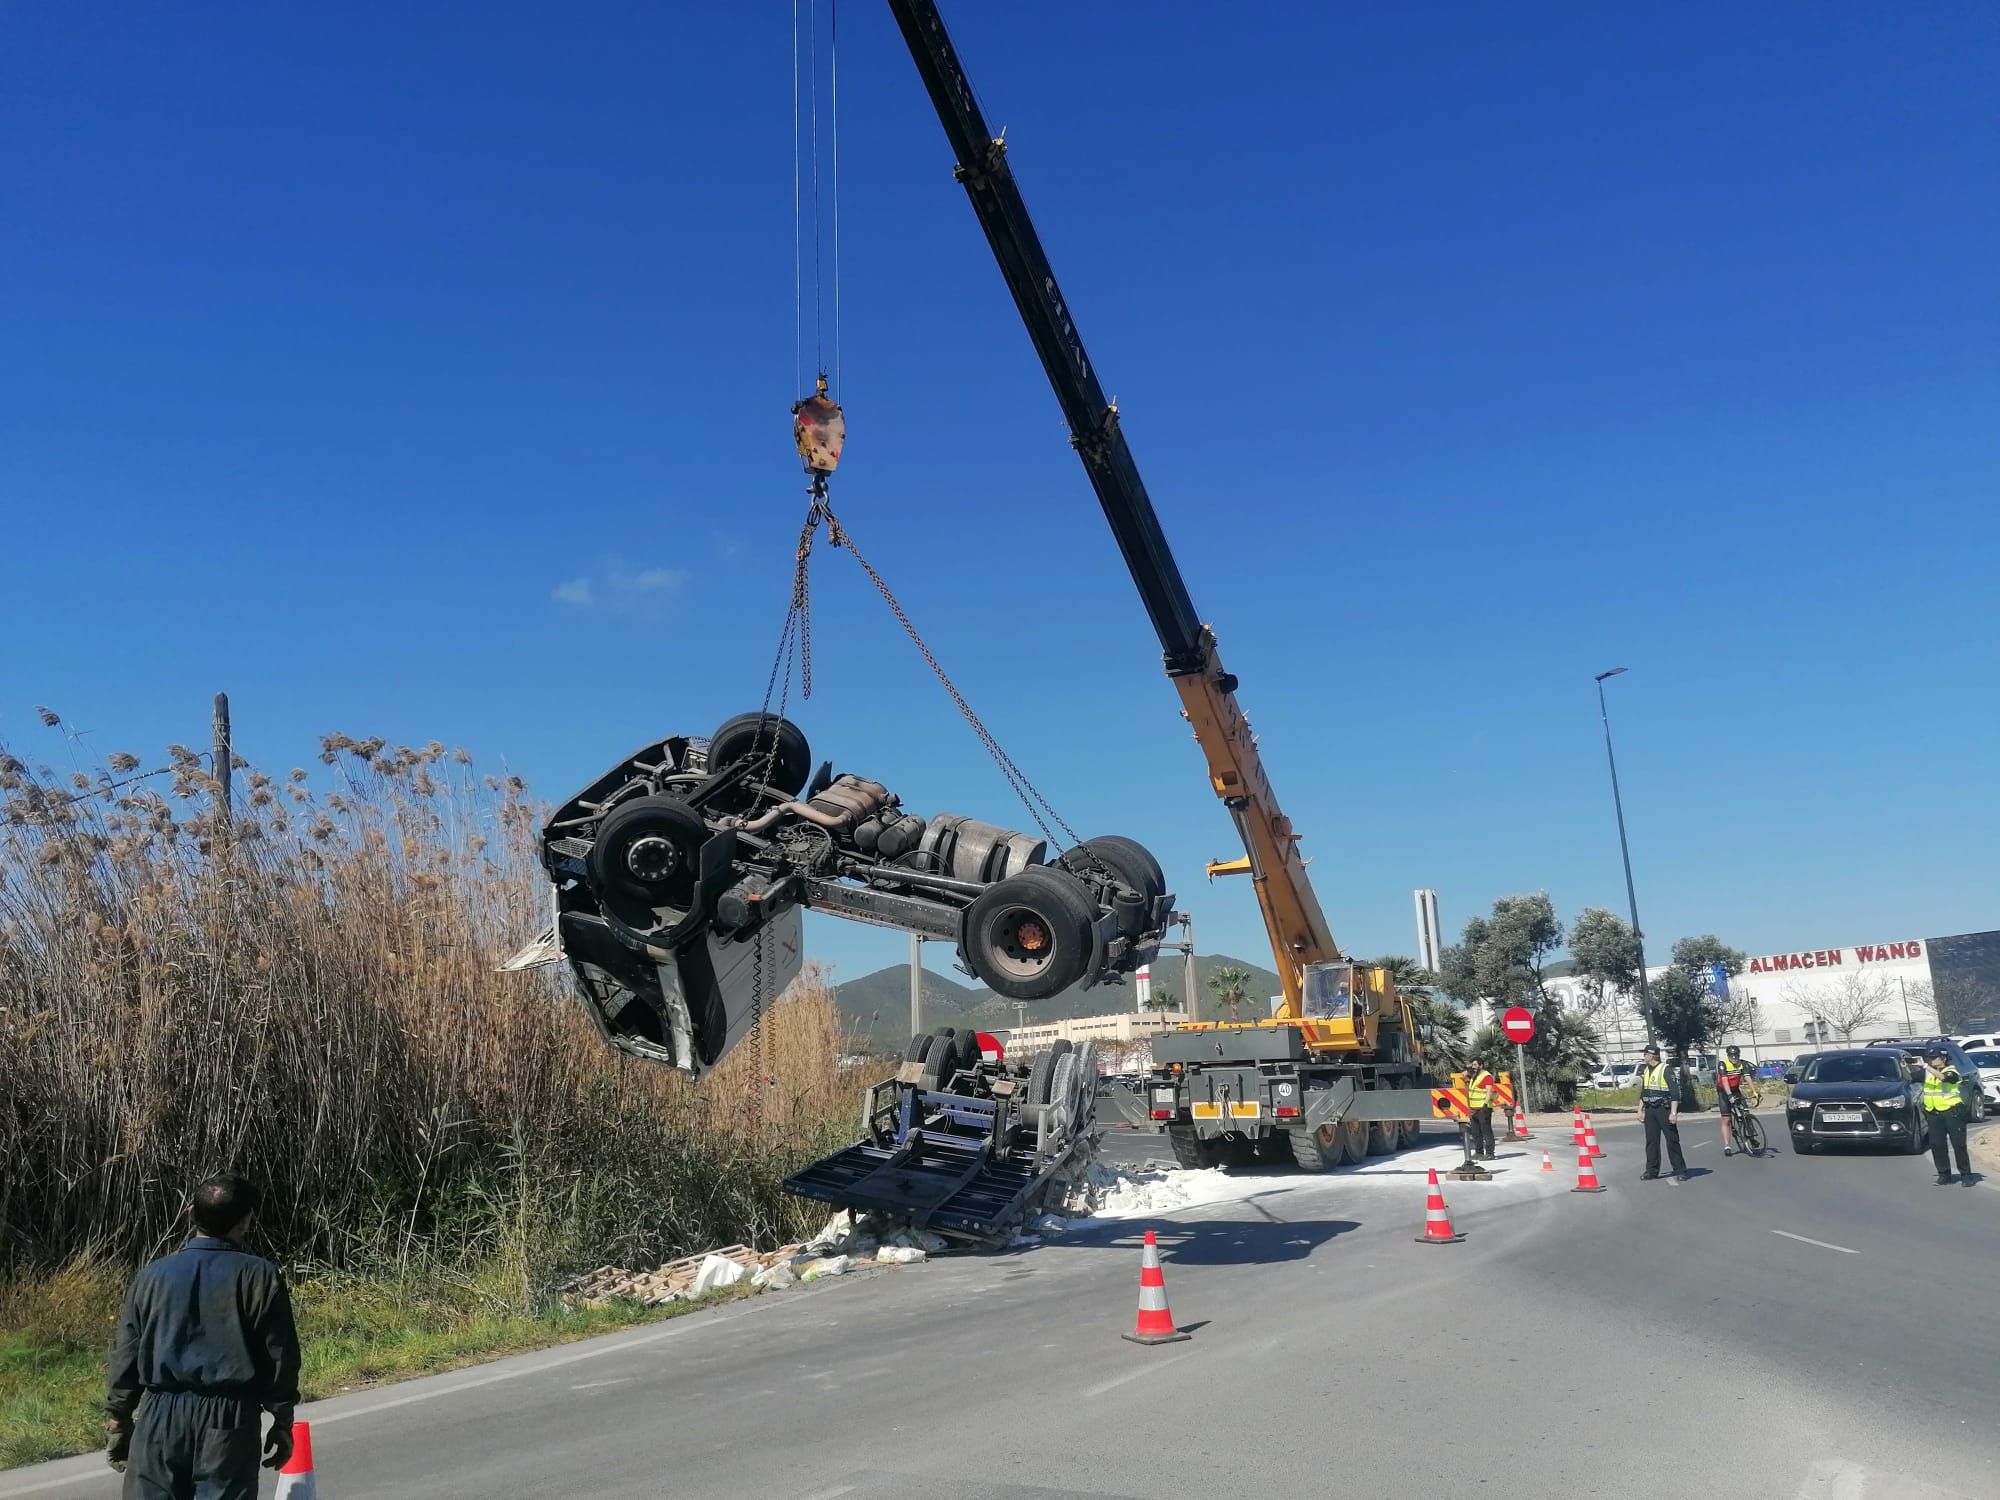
[(1586, 1175), (1156, 1323), (1437, 1219), (1590, 1137), (1547, 1165), (1521, 1124), (295, 1479)]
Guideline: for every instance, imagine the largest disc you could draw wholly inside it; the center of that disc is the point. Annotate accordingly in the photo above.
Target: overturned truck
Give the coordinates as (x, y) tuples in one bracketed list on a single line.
[(961, 1141), (681, 873)]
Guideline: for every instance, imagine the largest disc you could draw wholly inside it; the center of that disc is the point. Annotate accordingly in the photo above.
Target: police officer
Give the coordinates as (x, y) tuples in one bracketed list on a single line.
[(1660, 1106), (1479, 1099), (1944, 1112), (207, 1338)]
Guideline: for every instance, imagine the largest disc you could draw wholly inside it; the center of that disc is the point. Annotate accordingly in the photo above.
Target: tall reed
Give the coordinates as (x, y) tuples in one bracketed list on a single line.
[(308, 994)]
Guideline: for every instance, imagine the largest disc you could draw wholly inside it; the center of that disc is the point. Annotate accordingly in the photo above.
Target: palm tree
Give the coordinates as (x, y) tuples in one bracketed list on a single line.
[(1442, 1025), (1231, 986), (1162, 998), (1563, 1054), (1410, 977)]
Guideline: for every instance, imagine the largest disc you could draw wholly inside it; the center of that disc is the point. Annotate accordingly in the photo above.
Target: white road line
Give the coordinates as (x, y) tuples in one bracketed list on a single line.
[(838, 1489), (1130, 1375), (1821, 1243)]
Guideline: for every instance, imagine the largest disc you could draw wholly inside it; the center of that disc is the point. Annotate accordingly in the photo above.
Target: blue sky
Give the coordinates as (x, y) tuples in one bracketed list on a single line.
[(425, 372)]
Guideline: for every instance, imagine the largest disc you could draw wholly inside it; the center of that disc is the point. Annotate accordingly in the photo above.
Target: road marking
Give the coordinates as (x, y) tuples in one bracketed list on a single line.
[(1112, 1385), (1821, 1243), (838, 1489)]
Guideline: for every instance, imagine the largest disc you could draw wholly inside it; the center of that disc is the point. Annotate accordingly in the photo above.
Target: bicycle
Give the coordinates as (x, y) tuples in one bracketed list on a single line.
[(1749, 1133)]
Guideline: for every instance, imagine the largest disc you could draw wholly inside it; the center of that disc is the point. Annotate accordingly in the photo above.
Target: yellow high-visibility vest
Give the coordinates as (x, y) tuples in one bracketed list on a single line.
[(1939, 1094), (1654, 1080), (1480, 1094)]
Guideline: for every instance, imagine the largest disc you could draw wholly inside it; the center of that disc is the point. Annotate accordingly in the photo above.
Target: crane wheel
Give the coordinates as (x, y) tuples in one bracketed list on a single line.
[(1407, 1131), (1028, 937), (1316, 1150), (1190, 1150), (1384, 1136)]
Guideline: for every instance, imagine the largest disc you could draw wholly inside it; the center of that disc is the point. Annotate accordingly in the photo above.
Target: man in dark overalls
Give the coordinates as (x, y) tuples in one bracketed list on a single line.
[(207, 1337)]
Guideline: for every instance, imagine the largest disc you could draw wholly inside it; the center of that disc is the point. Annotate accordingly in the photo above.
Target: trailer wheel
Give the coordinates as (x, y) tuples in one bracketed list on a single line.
[(919, 1045), (1042, 1075), (647, 855), (1028, 937), (751, 735), (1128, 859)]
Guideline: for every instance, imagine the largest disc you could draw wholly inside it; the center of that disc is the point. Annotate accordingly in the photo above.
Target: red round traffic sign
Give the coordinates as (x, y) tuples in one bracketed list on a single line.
[(1518, 1024)]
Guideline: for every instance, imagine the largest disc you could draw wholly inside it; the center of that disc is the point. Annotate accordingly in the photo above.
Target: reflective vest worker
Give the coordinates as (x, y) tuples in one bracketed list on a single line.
[(1733, 1079), (1660, 1108), (1479, 1099), (1944, 1113)]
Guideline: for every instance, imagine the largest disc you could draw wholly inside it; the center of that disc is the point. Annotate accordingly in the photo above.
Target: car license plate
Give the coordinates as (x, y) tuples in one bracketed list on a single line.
[(1844, 1116)]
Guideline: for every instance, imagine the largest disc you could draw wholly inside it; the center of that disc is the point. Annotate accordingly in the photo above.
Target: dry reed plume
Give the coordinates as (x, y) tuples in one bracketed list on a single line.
[(310, 998)]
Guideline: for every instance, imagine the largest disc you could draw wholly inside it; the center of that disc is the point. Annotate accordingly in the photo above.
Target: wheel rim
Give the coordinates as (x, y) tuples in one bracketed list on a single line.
[(1023, 944)]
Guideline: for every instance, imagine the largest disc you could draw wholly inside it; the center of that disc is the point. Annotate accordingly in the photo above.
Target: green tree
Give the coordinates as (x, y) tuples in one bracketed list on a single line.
[(1504, 958), (1685, 1014), (1605, 951), (1231, 986), (1443, 1024), (1410, 978), (1162, 998)]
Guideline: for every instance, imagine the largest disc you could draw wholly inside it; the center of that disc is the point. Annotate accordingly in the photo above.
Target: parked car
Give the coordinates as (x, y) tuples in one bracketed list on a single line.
[(1615, 1076), (1988, 1063), (1979, 1043), (1860, 1096), (1774, 1067), (1968, 1070)]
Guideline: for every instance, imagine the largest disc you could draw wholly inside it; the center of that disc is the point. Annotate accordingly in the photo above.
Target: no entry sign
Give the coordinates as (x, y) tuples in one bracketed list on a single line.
[(1518, 1025)]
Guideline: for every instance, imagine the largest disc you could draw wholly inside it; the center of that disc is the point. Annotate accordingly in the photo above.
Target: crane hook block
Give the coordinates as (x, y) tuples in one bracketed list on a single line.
[(819, 430)]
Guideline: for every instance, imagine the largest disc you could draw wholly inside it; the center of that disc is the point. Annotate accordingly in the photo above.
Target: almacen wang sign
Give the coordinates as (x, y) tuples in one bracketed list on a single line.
[(1838, 958)]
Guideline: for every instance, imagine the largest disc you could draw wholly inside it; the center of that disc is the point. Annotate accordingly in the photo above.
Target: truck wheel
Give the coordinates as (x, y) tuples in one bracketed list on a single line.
[(919, 1045), (752, 735), (647, 854), (1316, 1150), (1190, 1150), (1028, 937), (1383, 1136), (1041, 1076), (1128, 859), (1409, 1130), (1354, 1141)]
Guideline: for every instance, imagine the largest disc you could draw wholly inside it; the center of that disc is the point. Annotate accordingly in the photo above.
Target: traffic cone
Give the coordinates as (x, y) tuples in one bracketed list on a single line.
[(1437, 1219), (1590, 1137), (1521, 1124), (1156, 1324), (1586, 1175), (1547, 1165), (295, 1479)]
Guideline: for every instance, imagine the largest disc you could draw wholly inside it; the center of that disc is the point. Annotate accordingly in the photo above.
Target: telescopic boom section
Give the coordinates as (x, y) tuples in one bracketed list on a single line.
[(1298, 929)]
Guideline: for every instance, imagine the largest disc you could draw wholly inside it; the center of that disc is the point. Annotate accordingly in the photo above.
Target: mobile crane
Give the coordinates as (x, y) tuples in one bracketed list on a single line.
[(1337, 1072)]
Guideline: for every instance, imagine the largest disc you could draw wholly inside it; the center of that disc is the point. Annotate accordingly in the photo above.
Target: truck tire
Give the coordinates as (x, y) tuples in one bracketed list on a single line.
[(1042, 1074), (1128, 859), (1316, 1151), (1353, 1142), (749, 735), (1385, 1136), (1190, 1150), (1028, 937), (919, 1045), (1411, 1130), (647, 855)]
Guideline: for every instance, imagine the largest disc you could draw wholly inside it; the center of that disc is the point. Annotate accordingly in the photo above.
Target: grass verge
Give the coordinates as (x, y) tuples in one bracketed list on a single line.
[(355, 1331)]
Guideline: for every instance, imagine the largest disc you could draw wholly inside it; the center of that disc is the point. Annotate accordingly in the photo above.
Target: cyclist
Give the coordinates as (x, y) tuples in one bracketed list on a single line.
[(1733, 1081)]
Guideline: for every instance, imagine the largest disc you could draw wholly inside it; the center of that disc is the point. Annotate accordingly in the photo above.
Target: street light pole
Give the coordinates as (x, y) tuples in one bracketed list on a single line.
[(1625, 849)]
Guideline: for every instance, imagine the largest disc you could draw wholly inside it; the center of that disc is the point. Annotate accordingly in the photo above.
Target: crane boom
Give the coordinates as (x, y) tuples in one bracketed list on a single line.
[(1297, 928)]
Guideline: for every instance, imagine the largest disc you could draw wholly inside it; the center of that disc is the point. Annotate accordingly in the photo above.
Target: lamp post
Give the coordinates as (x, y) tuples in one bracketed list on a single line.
[(1625, 850)]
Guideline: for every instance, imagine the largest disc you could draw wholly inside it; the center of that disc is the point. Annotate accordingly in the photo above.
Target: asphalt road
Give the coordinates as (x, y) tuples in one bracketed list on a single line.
[(1788, 1328)]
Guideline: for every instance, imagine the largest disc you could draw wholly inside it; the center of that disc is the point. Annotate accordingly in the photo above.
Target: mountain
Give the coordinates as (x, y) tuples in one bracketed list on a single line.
[(876, 1007)]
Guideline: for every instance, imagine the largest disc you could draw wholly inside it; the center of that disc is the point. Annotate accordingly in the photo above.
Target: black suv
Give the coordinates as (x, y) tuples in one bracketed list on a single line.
[(1968, 1070), (1869, 1096)]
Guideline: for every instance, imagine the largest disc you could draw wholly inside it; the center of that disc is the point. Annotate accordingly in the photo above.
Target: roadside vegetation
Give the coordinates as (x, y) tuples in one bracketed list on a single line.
[(307, 994)]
